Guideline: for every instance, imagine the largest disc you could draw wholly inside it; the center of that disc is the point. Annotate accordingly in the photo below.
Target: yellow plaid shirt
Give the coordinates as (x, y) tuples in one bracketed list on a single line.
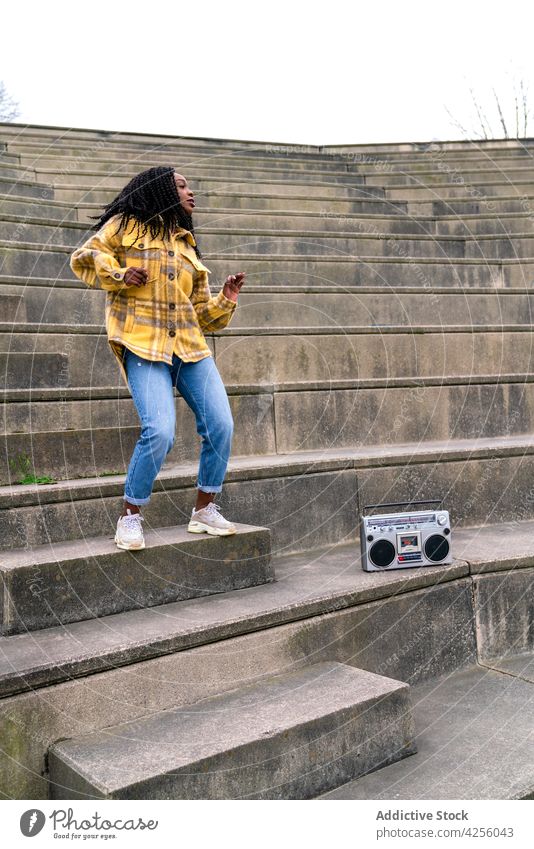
[(169, 313)]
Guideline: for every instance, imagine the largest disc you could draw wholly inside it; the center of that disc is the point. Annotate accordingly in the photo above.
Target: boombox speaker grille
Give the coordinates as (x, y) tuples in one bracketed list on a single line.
[(382, 553), (436, 548)]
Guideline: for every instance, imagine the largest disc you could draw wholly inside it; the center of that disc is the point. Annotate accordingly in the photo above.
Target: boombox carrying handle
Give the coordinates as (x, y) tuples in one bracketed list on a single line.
[(403, 504)]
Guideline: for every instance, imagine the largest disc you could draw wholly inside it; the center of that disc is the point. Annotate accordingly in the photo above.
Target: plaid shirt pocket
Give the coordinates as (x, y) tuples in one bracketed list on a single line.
[(143, 252)]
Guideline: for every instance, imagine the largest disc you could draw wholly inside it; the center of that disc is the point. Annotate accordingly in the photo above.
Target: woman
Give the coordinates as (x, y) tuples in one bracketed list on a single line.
[(158, 303)]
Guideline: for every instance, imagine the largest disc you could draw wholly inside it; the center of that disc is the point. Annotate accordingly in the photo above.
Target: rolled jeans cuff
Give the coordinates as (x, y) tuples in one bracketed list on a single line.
[(136, 501)]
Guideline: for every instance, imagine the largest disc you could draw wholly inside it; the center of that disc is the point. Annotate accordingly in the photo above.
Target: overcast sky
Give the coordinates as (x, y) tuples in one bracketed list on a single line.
[(300, 72)]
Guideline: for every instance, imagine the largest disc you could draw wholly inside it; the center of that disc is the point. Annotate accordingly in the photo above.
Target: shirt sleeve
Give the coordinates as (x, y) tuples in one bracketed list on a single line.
[(214, 312), (95, 262)]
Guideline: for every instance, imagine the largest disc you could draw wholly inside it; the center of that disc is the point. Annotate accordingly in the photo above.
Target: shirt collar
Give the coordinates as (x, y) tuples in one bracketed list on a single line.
[(186, 234)]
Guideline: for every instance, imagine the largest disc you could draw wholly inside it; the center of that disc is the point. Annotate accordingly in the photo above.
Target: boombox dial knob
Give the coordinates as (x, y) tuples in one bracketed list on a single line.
[(382, 553)]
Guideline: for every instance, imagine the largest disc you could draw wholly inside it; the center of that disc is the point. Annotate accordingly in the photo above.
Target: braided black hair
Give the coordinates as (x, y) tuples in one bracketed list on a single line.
[(150, 200)]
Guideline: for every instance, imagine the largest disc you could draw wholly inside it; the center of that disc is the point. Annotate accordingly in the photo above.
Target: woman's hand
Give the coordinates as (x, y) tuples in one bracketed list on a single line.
[(232, 285), (136, 276)]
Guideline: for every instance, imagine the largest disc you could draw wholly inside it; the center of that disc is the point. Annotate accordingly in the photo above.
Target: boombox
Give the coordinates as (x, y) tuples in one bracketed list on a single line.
[(404, 540)]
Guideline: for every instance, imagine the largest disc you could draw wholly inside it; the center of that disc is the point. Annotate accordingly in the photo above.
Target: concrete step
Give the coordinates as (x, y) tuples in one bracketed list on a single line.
[(274, 242), (25, 188), (334, 582), (283, 355), (21, 369), (450, 163), (130, 162), (287, 737), (13, 306), (52, 585), (507, 230), (466, 175), (11, 171), (255, 487), (322, 607), (238, 168), (80, 158), (48, 302), (495, 188), (13, 207), (207, 176), (249, 197), (495, 223), (331, 221), (305, 213), (471, 200), (26, 259), (100, 139), (474, 741), (309, 588), (53, 212), (84, 152), (128, 151), (288, 184), (340, 418), (58, 171), (82, 187), (371, 352), (399, 149), (63, 439), (240, 240), (476, 204)]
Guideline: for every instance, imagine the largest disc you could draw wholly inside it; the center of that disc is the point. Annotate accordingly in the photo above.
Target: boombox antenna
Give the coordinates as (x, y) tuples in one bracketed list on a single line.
[(403, 504)]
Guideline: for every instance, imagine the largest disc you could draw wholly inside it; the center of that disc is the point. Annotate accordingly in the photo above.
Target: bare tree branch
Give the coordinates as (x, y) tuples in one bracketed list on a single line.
[(516, 112), (525, 108), (481, 117), (501, 116), (456, 123), (9, 108)]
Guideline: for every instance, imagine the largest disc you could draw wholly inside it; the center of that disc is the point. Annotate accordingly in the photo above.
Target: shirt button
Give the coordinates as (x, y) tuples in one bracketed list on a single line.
[(171, 253), (141, 245), (117, 276), (172, 306), (171, 276), (172, 332)]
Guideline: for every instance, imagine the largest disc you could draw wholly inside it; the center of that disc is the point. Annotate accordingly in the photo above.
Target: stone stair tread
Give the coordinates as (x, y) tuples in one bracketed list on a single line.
[(240, 211), (269, 288), (14, 327), (474, 741), (96, 393), (249, 160), (307, 584), (333, 580), (309, 257), (205, 741), (213, 229), (519, 665), (52, 585), (98, 545), (264, 465)]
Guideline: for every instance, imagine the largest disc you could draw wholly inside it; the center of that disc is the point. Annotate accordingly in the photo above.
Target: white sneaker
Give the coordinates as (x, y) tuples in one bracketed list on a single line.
[(129, 533), (209, 520)]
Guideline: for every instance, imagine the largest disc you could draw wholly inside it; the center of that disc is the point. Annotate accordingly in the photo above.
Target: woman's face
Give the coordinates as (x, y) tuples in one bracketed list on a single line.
[(186, 195)]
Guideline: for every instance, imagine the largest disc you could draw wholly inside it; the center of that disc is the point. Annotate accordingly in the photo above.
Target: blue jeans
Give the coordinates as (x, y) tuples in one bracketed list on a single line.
[(152, 386)]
